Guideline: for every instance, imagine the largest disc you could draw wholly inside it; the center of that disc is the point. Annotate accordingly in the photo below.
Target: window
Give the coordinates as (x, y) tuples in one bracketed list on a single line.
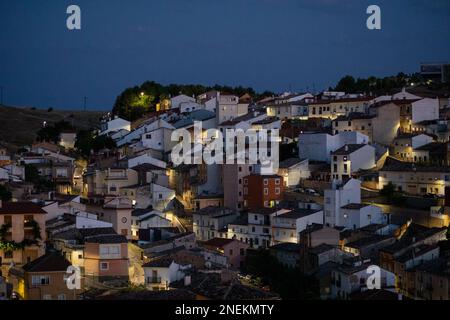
[(160, 196), (40, 280), (8, 254), (7, 220), (104, 266), (266, 191), (231, 252), (245, 181), (47, 297), (277, 190), (345, 167), (61, 296), (277, 182), (266, 182), (256, 217)]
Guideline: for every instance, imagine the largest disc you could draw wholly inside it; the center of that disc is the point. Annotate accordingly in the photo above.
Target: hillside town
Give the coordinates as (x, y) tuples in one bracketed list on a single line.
[(362, 183)]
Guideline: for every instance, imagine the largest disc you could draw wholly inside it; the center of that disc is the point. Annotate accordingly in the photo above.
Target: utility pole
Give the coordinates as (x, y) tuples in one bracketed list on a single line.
[(85, 103)]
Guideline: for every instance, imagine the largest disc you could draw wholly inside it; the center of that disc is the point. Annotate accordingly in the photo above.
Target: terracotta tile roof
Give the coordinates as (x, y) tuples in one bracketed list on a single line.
[(218, 242), (21, 208)]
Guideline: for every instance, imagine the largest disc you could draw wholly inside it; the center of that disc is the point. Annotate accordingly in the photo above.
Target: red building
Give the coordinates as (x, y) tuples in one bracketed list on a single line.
[(262, 191)]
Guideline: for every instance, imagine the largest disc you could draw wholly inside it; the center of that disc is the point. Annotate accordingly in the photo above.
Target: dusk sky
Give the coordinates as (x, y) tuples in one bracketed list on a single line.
[(267, 44)]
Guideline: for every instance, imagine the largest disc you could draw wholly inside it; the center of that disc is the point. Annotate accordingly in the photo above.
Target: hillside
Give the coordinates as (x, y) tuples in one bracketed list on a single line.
[(18, 126)]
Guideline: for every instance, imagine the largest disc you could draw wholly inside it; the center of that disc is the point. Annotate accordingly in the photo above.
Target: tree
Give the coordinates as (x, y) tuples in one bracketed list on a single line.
[(5, 194), (346, 84), (86, 141)]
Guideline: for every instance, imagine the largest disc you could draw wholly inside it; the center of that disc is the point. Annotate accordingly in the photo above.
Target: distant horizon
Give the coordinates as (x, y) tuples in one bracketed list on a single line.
[(275, 45), (259, 91)]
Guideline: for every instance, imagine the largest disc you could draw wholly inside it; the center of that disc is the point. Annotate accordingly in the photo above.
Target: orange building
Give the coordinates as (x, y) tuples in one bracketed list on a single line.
[(106, 257), (22, 232), (262, 191), (44, 279)]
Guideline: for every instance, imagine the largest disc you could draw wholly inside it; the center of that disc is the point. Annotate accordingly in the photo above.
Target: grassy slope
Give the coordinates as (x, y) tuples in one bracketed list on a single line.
[(18, 126)]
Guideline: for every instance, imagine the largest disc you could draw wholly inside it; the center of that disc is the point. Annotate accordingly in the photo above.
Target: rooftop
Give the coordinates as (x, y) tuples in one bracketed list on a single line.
[(347, 149), (49, 262), (24, 207)]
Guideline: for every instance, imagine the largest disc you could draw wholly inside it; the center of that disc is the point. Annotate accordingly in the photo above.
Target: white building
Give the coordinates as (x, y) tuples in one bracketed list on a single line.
[(212, 222), (358, 215), (229, 107), (319, 146), (287, 226), (176, 101), (293, 170), (160, 273), (338, 196), (350, 158), (114, 125), (351, 277)]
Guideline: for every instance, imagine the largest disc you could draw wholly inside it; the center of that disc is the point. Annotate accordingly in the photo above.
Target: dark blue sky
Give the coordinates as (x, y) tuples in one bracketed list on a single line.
[(266, 44)]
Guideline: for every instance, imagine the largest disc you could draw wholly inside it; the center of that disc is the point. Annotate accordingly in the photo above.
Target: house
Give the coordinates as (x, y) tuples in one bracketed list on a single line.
[(22, 228), (413, 236), (293, 170), (259, 223), (352, 276), (234, 250), (332, 108), (177, 101), (432, 280), (146, 219), (405, 267), (355, 121), (108, 181), (114, 125), (212, 222), (286, 226), (316, 234), (161, 272), (233, 184), (288, 254), (229, 107), (319, 146), (404, 145), (350, 158), (262, 190), (339, 195), (67, 139), (386, 123), (106, 257), (358, 215), (288, 110), (415, 179), (117, 211), (433, 152), (101, 253), (44, 279)]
